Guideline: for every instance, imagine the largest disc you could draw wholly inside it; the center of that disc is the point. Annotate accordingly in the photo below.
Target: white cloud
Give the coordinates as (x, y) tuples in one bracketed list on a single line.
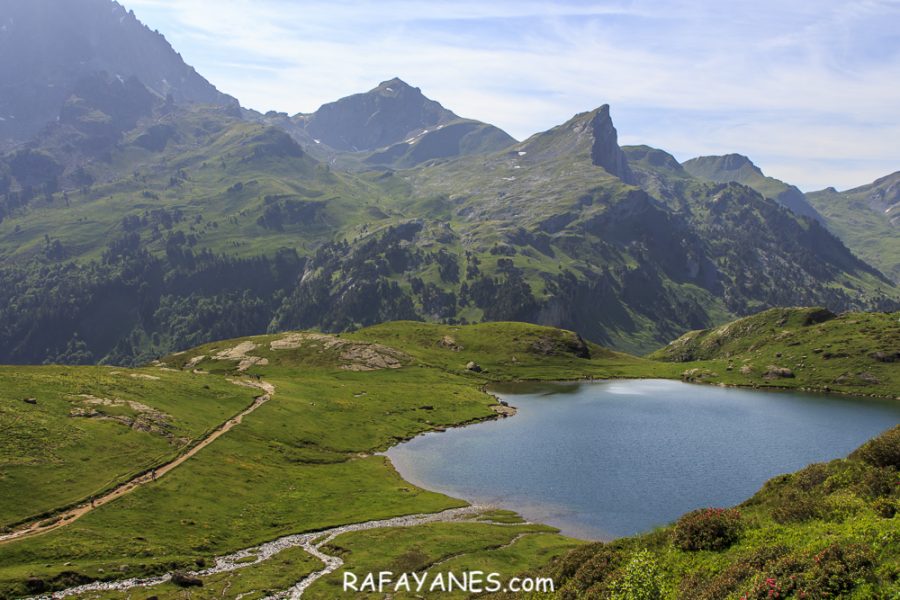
[(794, 85)]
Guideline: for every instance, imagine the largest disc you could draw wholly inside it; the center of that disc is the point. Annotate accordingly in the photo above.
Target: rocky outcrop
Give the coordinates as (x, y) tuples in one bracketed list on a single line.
[(605, 151)]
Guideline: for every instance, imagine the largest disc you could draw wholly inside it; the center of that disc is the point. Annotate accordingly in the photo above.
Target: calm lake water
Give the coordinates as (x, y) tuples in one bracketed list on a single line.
[(610, 459)]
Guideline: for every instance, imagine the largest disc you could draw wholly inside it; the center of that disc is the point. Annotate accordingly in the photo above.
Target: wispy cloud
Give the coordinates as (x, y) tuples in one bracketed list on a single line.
[(807, 89)]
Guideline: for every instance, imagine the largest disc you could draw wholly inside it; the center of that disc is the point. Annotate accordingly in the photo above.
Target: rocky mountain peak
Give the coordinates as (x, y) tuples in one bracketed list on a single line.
[(385, 115)]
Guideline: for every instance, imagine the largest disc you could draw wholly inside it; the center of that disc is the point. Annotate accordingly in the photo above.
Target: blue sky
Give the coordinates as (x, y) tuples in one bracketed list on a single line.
[(810, 90)]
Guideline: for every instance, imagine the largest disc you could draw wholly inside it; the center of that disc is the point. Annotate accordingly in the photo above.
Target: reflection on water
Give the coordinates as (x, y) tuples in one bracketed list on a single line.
[(609, 459)]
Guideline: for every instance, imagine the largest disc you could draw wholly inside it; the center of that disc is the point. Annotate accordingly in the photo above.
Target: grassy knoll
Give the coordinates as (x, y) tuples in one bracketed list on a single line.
[(853, 353), (89, 428), (827, 531)]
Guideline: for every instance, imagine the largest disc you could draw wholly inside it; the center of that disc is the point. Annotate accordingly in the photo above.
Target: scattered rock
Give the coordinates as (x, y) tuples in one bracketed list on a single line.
[(29, 400), (449, 343), (144, 376), (504, 410), (561, 343), (868, 378), (818, 316), (184, 580), (746, 370), (698, 374), (191, 364), (885, 357), (473, 366), (371, 357), (775, 372)]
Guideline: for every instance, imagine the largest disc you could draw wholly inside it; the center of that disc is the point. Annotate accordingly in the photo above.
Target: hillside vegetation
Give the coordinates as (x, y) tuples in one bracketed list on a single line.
[(808, 348)]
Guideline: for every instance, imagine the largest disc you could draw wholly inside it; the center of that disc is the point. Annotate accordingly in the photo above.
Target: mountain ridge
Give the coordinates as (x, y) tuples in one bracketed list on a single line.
[(47, 46)]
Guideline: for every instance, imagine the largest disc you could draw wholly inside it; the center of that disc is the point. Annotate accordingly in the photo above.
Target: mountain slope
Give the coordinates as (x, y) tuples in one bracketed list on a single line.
[(47, 46), (735, 167), (134, 226), (868, 220)]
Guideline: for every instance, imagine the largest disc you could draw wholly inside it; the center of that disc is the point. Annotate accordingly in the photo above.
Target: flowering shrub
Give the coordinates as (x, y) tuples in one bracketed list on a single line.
[(831, 573), (708, 529), (838, 569)]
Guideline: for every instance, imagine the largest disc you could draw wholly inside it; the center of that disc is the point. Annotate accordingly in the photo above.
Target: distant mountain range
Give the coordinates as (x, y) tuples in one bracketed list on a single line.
[(142, 211)]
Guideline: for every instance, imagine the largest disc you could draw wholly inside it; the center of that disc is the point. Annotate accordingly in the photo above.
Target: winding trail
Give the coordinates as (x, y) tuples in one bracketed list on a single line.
[(310, 542), (73, 514)]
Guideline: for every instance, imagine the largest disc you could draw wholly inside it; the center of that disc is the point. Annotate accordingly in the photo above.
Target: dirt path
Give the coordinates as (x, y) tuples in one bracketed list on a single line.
[(311, 542), (73, 514)]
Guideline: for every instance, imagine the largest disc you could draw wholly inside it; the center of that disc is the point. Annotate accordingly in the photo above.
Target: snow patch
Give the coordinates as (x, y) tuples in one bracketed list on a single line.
[(522, 152), (318, 141)]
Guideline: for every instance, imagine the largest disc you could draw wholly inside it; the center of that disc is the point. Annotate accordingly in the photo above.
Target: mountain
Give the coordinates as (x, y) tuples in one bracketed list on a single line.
[(867, 218), (393, 124), (739, 168), (48, 46), (134, 225)]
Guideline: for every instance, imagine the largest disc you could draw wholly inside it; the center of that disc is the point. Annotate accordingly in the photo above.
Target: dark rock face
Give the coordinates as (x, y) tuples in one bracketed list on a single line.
[(605, 151), (47, 46)]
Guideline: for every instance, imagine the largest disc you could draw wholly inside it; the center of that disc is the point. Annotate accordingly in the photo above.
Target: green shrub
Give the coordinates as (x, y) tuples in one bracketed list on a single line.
[(707, 529), (811, 477), (596, 569), (885, 508), (883, 451), (567, 565), (642, 579), (796, 507)]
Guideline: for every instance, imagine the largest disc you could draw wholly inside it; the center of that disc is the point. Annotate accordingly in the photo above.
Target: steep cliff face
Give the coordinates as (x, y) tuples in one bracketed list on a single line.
[(605, 151), (47, 46)]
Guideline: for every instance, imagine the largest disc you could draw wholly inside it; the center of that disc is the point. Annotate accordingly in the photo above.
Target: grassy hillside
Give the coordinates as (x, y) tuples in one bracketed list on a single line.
[(808, 348), (867, 218), (72, 432), (827, 531)]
